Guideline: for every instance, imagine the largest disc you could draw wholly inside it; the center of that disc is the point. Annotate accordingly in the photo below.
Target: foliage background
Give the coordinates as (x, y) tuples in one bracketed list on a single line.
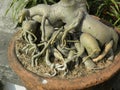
[(105, 9)]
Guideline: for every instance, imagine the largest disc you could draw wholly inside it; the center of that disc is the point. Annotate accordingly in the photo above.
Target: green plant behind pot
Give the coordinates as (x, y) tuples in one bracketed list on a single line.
[(18, 5), (15, 7), (106, 9)]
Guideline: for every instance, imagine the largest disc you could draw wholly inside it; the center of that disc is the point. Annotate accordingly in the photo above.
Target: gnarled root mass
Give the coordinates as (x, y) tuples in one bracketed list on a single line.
[(58, 37)]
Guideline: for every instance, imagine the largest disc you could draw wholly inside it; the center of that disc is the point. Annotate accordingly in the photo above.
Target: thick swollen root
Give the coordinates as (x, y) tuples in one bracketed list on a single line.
[(23, 14), (89, 64), (72, 26), (108, 47), (111, 57), (90, 44), (80, 49)]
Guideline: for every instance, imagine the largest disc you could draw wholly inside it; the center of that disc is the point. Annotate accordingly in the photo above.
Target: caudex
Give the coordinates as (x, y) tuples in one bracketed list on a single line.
[(67, 34)]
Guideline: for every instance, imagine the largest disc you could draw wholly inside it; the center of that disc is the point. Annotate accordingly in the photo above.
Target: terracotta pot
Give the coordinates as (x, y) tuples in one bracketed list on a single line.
[(118, 31), (34, 82)]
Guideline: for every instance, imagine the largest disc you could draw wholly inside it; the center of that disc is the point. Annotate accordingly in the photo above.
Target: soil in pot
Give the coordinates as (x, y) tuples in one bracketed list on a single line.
[(44, 70)]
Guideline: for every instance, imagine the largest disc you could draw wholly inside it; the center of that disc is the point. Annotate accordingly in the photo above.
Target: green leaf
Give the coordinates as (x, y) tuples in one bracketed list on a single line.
[(117, 21), (45, 1), (52, 1), (12, 3), (115, 12), (99, 8), (116, 5)]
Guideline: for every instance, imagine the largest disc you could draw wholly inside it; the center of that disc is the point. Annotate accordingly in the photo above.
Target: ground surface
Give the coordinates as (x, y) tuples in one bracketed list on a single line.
[(6, 74)]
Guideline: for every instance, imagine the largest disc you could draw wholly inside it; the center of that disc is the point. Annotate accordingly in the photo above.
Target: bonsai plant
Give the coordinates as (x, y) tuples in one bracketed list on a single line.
[(63, 45)]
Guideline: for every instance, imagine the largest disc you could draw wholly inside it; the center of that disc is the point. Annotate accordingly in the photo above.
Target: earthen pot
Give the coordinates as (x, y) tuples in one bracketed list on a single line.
[(118, 31), (34, 82)]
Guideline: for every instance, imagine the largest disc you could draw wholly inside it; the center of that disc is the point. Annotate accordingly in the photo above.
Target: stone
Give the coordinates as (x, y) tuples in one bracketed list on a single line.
[(6, 31)]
